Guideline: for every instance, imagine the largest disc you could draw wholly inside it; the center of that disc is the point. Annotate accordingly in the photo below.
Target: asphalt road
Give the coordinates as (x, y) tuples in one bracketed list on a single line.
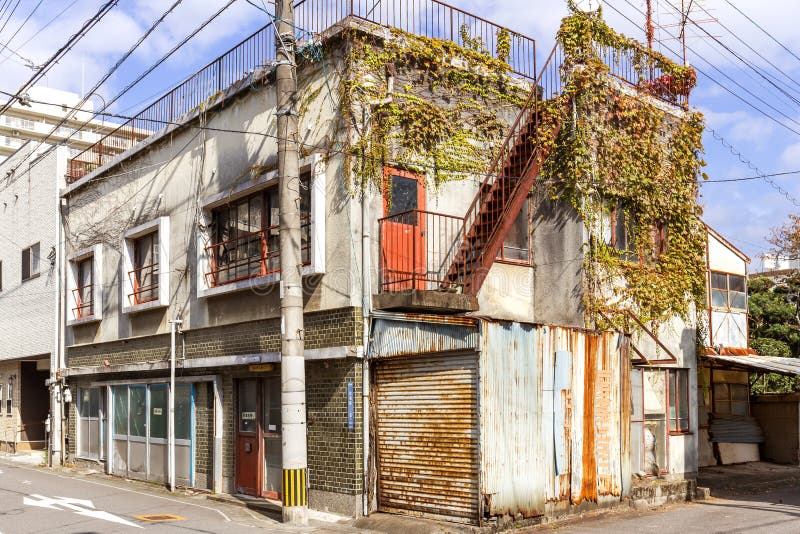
[(38, 500), (776, 511)]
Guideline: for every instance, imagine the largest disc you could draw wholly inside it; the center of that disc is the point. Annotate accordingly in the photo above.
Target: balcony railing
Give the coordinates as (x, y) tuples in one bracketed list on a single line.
[(416, 250), (144, 281), (252, 255), (84, 300)]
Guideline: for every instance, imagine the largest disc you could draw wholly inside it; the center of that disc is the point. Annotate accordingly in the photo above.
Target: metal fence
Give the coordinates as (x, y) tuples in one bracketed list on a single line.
[(428, 18), (417, 251)]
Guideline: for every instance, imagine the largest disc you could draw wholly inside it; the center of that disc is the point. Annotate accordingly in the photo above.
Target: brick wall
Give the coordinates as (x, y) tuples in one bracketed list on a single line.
[(330, 328), (334, 451), (204, 434)]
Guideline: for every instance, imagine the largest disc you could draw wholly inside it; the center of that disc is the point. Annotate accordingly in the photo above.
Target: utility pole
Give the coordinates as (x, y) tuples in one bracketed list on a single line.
[(293, 374)]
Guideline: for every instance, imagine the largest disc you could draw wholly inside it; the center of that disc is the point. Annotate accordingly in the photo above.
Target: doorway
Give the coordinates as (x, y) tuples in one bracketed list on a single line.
[(403, 250), (258, 437)]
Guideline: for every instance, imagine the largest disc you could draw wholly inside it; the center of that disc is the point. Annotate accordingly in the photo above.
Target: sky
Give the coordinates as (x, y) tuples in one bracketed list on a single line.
[(747, 116)]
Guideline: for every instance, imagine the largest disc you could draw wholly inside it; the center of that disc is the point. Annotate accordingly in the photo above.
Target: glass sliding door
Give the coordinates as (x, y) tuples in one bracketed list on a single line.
[(140, 432)]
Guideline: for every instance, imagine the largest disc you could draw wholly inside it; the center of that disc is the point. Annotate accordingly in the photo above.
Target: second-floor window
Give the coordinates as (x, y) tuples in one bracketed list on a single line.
[(622, 235), (84, 292), (144, 275), (245, 236), (728, 291), (30, 262)]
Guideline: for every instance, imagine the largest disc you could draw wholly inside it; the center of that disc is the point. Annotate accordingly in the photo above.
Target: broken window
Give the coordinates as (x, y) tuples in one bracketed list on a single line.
[(728, 291), (246, 235)]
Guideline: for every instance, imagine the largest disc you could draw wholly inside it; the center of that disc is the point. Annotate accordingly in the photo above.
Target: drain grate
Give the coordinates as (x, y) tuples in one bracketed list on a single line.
[(159, 518)]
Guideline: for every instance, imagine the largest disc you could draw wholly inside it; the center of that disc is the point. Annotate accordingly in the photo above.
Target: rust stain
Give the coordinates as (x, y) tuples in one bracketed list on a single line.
[(589, 466)]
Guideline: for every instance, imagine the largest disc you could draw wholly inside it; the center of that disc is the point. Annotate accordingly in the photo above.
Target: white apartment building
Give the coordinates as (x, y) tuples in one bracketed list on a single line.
[(31, 176)]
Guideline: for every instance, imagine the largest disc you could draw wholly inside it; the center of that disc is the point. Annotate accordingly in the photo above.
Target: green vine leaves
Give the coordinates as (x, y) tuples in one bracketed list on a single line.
[(619, 149)]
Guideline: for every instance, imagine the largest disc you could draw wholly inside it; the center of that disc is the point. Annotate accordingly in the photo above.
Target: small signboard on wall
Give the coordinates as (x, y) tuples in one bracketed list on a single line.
[(351, 406), (249, 416)]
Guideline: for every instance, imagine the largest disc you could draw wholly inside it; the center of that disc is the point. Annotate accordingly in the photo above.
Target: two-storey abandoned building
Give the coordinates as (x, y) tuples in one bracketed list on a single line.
[(472, 346)]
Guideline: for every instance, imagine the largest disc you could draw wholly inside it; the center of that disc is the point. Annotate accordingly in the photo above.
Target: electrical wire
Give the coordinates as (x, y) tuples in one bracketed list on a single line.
[(3, 27), (24, 22), (61, 52), (110, 72), (40, 30), (763, 30), (128, 87)]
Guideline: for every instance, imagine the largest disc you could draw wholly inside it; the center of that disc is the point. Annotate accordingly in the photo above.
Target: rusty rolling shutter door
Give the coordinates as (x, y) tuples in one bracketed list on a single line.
[(427, 426)]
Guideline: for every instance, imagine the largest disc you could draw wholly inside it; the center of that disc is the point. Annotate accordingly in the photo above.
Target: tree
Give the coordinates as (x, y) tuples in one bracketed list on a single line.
[(775, 327)]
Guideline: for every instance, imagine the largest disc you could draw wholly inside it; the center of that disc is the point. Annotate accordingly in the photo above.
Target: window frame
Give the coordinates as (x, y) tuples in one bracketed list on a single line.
[(679, 399), (31, 257), (643, 421), (10, 397), (95, 254), (629, 252), (525, 214), (150, 242), (727, 290), (314, 166), (129, 266)]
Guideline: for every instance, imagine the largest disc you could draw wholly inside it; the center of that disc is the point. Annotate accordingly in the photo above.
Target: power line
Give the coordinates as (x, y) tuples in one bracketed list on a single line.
[(24, 22), (730, 147), (3, 27), (110, 71), (763, 30), (40, 30), (144, 74), (61, 52)]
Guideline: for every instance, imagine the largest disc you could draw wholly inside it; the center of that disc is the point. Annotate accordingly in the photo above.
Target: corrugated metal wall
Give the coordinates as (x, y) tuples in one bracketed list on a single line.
[(552, 421)]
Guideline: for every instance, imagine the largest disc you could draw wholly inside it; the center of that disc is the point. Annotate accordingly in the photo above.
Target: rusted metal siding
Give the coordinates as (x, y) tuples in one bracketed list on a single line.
[(406, 334), (511, 448), (427, 436), (553, 424)]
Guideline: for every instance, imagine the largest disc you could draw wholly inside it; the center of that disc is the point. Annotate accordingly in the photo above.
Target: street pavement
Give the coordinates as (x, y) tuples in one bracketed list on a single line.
[(34, 500), (776, 511)]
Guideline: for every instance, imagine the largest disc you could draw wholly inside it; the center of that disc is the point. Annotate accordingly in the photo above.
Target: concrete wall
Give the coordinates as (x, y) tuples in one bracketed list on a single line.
[(175, 176), (779, 417), (27, 216), (558, 244)]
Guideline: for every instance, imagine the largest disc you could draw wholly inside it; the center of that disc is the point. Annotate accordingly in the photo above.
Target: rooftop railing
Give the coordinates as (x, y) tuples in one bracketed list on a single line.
[(427, 18)]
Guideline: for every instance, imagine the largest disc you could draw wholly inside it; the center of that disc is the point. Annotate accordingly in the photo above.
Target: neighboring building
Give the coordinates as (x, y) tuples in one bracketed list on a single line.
[(31, 176), (46, 109), (473, 390), (28, 293)]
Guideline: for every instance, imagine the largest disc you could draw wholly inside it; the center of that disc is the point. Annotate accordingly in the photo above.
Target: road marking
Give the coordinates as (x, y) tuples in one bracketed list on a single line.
[(120, 488), (79, 506), (26, 482)]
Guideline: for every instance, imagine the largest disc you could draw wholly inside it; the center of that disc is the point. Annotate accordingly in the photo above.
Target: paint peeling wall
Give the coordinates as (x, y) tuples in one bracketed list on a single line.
[(553, 426)]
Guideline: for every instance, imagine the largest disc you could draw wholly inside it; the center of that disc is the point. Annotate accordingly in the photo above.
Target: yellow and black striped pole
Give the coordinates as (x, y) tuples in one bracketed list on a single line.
[(294, 487)]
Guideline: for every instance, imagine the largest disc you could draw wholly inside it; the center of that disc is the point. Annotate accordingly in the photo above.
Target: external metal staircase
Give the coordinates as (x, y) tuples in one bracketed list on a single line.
[(502, 193)]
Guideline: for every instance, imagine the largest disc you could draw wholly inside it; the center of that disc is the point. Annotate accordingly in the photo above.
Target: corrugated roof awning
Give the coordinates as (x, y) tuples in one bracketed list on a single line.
[(756, 362)]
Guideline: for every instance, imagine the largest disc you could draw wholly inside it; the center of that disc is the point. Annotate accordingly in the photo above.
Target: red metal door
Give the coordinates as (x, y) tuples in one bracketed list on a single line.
[(249, 452), (402, 245)]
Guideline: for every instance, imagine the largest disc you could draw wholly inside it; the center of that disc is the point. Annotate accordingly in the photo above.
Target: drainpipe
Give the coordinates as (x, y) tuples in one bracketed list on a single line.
[(366, 306), (171, 432)]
